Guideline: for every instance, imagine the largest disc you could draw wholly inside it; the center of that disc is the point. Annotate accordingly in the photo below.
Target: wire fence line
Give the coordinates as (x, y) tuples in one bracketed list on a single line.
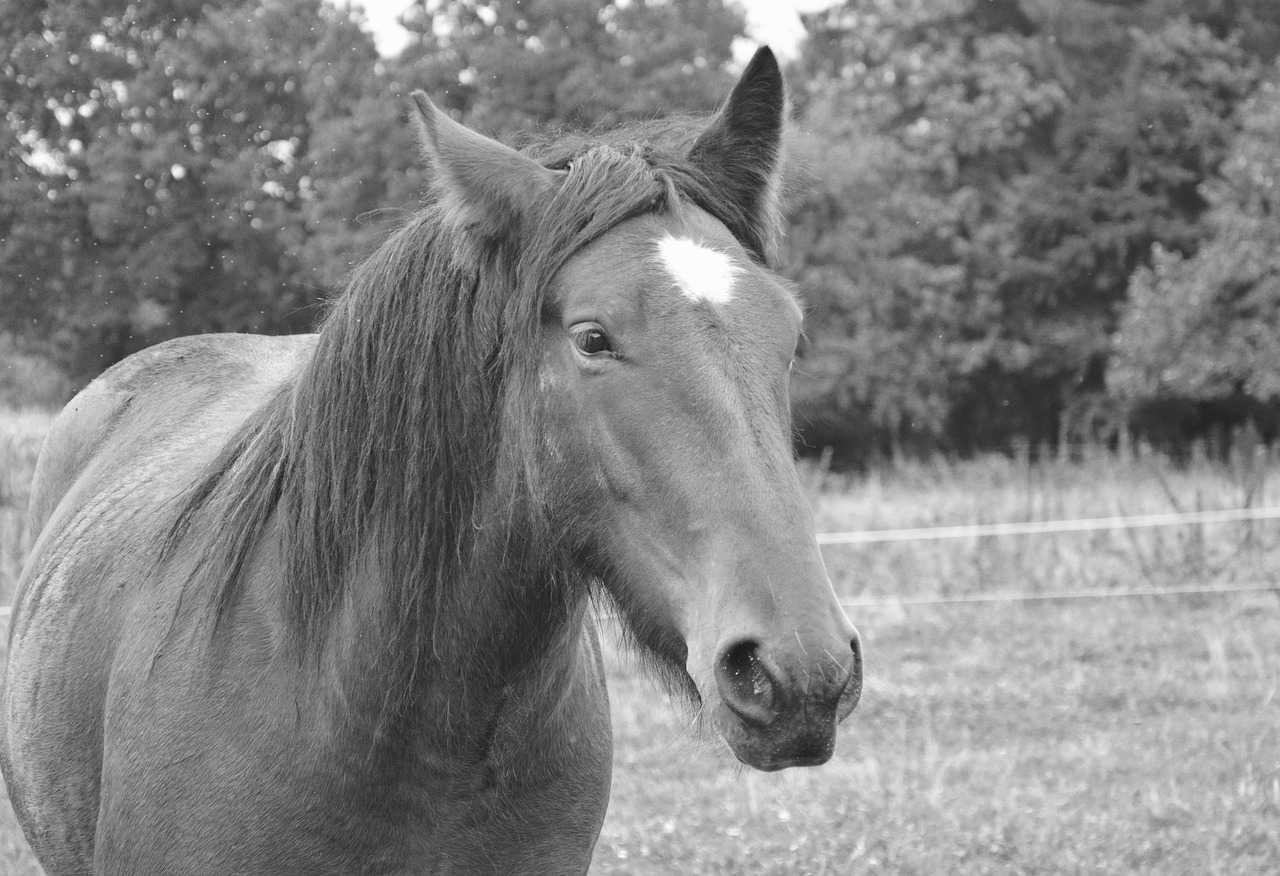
[(1090, 593), (1037, 527), (1041, 527)]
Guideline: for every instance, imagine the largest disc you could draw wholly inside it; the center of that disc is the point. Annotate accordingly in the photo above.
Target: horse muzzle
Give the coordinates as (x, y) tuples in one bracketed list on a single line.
[(779, 710)]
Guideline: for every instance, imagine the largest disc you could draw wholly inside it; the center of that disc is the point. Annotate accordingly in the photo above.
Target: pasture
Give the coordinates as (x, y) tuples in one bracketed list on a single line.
[(1107, 735)]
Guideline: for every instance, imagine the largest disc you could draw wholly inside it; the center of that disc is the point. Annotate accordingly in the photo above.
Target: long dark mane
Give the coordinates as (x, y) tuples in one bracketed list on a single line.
[(388, 448)]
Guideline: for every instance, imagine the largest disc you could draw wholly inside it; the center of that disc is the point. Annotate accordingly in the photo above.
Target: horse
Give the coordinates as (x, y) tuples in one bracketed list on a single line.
[(327, 603)]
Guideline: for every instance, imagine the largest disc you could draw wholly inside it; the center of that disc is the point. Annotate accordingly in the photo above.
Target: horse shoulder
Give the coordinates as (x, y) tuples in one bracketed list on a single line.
[(184, 373)]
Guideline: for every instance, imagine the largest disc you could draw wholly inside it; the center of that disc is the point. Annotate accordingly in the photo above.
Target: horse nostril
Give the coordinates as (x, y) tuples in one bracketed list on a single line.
[(746, 685)]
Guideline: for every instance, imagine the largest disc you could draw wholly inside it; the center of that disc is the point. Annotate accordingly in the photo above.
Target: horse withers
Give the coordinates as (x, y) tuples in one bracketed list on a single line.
[(323, 604)]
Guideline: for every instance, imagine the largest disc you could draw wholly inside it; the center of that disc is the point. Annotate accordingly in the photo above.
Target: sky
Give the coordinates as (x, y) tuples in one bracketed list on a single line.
[(776, 22)]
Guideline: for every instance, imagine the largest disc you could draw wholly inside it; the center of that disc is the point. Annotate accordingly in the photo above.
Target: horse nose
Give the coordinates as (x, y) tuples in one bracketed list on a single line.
[(759, 691)]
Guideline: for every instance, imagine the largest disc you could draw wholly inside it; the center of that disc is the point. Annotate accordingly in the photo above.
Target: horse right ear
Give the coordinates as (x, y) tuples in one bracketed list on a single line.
[(741, 150), (478, 180)]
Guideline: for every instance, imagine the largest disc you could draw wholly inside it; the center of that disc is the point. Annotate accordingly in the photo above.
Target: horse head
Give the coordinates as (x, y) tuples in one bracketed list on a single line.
[(661, 374)]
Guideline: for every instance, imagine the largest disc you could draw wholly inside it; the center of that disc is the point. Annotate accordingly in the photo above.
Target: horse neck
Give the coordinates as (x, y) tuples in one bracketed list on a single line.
[(411, 544), (507, 631), (438, 596)]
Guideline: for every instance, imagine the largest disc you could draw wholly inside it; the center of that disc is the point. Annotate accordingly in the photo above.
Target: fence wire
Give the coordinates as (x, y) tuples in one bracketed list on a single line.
[(1093, 593), (1041, 527)]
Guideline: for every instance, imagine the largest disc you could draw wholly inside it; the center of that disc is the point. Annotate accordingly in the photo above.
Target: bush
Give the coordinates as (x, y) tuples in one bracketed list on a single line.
[(30, 379)]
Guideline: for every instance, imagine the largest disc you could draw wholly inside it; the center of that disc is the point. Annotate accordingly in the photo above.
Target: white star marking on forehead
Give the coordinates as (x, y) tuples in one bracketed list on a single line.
[(702, 273)]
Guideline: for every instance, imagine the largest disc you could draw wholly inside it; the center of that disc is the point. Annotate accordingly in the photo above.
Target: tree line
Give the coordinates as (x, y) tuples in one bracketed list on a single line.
[(1013, 221)]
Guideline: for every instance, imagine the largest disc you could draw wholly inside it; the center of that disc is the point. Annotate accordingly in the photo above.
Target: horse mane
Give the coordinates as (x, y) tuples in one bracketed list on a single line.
[(388, 446), (666, 144)]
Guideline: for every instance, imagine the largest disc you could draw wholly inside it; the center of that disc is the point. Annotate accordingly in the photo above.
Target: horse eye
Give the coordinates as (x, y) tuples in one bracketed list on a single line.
[(592, 341)]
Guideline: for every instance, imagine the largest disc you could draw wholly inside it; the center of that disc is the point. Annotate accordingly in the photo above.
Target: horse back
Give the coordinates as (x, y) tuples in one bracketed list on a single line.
[(111, 470), (155, 396)]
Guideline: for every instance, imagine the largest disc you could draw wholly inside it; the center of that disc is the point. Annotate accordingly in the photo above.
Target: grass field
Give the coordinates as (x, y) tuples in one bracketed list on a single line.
[(1105, 735)]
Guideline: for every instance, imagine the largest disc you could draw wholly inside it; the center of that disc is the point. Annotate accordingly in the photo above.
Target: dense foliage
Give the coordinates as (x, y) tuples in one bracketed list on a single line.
[(991, 175), (1013, 220)]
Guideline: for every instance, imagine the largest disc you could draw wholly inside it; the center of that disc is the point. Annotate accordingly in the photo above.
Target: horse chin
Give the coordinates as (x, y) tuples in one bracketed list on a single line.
[(774, 748)]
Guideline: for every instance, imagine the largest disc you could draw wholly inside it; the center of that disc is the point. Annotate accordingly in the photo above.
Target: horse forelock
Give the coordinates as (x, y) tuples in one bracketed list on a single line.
[(664, 145)]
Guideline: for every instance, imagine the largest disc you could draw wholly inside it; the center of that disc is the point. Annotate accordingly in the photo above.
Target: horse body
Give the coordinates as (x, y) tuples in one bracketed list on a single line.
[(323, 604)]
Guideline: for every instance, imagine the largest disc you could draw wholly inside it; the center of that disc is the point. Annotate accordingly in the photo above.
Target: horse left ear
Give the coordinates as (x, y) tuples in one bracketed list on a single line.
[(742, 152), (479, 180)]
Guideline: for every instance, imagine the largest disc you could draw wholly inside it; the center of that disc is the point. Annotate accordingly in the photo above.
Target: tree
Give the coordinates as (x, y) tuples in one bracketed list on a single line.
[(158, 167), (1129, 164), (870, 250), (513, 66), (945, 105), (1028, 155), (1205, 328)]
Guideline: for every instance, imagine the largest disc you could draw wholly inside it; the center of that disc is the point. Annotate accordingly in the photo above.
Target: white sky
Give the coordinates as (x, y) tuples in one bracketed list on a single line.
[(776, 22)]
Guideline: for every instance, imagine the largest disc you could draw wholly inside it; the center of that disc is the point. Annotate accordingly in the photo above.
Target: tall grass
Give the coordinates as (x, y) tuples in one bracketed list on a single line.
[(21, 434), (1099, 484)]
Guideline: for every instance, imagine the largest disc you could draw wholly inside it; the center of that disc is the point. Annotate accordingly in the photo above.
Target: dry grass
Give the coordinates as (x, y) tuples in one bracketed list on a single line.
[(21, 434), (1086, 737), (997, 490), (1135, 735)]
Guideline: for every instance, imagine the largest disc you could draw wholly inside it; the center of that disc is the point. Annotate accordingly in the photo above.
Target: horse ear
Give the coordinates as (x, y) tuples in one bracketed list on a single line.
[(741, 151), (477, 179)]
